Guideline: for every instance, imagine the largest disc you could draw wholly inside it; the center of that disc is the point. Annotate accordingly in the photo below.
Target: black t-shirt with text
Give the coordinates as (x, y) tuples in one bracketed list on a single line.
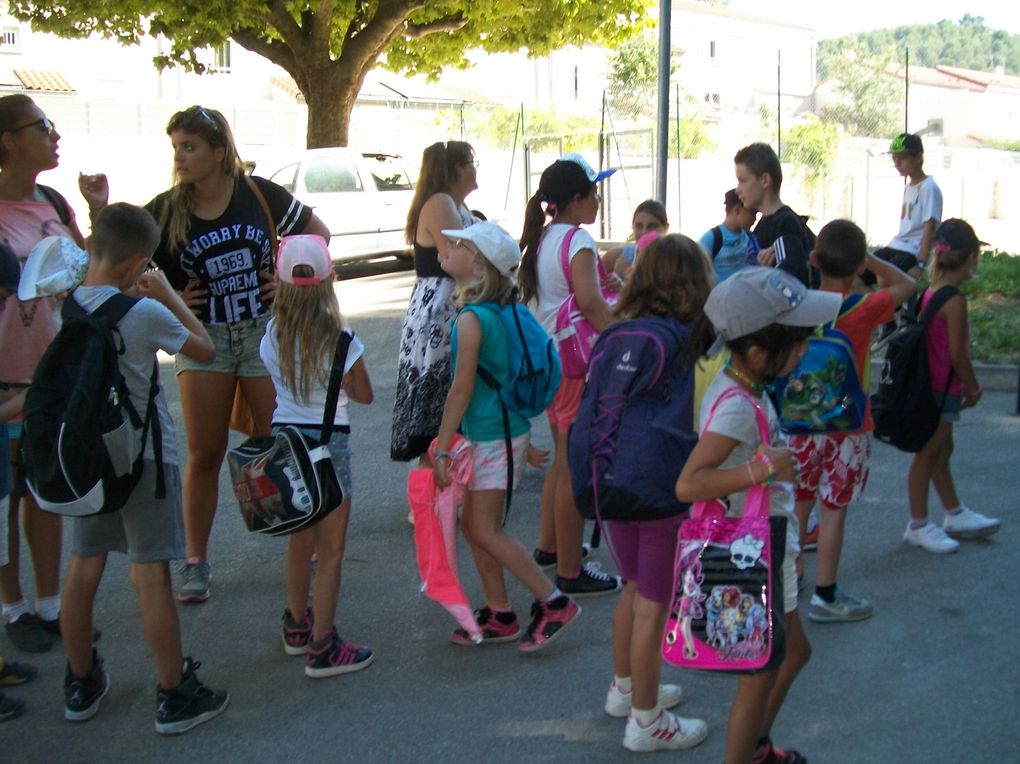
[(227, 254)]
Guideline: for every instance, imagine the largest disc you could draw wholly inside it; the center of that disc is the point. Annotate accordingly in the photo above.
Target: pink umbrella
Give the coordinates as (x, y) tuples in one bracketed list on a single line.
[(435, 533)]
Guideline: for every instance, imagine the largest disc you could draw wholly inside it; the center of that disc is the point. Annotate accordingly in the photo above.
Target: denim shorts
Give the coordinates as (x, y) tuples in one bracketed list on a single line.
[(237, 349), (950, 405), (339, 454)]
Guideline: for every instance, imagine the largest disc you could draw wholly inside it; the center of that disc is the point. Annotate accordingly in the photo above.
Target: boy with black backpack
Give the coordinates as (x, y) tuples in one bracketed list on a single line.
[(833, 465), (783, 237), (730, 244), (149, 528)]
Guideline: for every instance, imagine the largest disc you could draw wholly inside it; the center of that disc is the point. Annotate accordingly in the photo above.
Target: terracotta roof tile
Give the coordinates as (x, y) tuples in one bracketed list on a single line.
[(43, 79)]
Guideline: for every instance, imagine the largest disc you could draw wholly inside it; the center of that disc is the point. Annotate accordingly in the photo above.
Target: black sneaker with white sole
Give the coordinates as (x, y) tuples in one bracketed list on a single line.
[(590, 582), (189, 704), (82, 695), (548, 559)]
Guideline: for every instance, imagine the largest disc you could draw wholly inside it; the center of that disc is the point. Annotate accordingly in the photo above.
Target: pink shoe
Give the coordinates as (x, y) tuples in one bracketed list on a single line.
[(548, 620)]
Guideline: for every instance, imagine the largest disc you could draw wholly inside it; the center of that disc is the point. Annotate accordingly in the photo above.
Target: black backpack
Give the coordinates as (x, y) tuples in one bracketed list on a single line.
[(716, 242), (83, 442), (904, 409)]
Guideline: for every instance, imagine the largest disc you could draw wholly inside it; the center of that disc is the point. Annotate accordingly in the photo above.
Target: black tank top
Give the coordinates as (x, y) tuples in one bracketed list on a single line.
[(426, 262)]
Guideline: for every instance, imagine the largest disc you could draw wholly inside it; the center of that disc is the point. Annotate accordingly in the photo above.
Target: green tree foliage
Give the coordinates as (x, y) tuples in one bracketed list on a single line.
[(634, 75), (329, 46), (869, 96), (967, 43), (811, 144)]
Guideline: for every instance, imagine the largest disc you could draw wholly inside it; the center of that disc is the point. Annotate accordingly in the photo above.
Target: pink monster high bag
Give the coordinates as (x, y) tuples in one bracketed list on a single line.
[(721, 614), (574, 336)]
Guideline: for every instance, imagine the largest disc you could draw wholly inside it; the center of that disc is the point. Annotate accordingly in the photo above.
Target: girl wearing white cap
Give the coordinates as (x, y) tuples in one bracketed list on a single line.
[(297, 349)]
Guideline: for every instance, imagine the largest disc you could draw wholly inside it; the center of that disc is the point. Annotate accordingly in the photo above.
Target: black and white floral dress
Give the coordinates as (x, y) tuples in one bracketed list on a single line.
[(424, 369)]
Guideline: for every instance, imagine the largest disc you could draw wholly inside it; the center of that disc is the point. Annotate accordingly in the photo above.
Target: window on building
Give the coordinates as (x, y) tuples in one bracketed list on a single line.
[(712, 99), (711, 49), (221, 57), (9, 38)]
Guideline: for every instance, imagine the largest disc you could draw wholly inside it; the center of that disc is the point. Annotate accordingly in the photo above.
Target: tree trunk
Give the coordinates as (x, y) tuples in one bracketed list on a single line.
[(330, 93)]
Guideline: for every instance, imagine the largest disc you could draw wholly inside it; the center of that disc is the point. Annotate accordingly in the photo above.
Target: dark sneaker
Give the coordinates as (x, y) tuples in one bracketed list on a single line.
[(296, 634), (196, 577), (15, 673), (496, 628), (28, 635), (189, 704), (10, 707), (769, 754), (82, 695), (335, 657), (590, 582), (548, 620), (53, 627), (548, 559)]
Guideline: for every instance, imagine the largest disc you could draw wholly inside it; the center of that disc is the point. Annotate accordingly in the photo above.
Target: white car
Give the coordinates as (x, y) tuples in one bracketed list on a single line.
[(363, 197)]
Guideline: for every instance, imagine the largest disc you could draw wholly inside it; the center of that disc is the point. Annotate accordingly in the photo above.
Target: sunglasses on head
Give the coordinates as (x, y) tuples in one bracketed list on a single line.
[(45, 124), (203, 114)]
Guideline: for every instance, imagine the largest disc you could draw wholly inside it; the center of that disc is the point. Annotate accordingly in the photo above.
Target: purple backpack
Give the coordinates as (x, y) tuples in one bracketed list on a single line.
[(635, 425)]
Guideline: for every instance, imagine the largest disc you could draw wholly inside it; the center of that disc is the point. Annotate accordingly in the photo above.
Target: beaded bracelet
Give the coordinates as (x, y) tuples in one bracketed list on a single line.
[(771, 475)]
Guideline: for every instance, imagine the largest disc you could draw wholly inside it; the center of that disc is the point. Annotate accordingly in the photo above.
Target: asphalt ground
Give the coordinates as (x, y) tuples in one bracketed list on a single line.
[(932, 677)]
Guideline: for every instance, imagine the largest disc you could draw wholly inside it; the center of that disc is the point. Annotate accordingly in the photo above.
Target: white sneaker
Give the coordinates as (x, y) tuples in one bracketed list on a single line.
[(968, 524), (930, 538), (667, 732), (618, 703)]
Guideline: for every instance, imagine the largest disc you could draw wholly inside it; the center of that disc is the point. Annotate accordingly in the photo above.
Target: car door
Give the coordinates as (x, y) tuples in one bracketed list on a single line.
[(331, 183), (394, 192)]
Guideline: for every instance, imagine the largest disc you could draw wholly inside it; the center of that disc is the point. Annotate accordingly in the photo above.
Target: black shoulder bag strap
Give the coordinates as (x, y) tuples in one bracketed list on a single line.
[(940, 298), (716, 241), (336, 377)]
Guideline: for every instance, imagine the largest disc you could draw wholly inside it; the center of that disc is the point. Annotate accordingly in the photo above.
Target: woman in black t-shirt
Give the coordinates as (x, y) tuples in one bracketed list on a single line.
[(217, 248)]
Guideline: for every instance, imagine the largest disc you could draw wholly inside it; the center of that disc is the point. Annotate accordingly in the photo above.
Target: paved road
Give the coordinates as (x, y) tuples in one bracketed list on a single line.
[(932, 677)]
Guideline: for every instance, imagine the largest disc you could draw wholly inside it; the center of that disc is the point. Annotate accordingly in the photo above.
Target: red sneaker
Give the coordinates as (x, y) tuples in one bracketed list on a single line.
[(548, 620)]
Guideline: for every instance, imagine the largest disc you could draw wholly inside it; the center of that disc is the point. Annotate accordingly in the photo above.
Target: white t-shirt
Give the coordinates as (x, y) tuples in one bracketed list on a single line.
[(736, 419), (552, 283), (290, 407), (921, 203), (149, 326)]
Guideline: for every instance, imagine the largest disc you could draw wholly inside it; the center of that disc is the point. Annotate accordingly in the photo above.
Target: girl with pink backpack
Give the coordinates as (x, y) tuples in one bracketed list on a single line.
[(561, 271)]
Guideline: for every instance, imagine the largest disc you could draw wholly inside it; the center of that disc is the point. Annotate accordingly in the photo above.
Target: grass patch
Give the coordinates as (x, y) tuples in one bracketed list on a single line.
[(993, 303)]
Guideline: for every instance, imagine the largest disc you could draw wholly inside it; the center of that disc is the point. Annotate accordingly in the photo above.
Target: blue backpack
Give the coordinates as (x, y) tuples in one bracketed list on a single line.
[(534, 368), (635, 425), (823, 393)]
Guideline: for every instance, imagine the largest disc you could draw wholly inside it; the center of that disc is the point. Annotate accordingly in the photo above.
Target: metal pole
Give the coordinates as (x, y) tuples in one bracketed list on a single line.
[(602, 162), (527, 159), (779, 104), (519, 126), (676, 226), (906, 91), (662, 144)]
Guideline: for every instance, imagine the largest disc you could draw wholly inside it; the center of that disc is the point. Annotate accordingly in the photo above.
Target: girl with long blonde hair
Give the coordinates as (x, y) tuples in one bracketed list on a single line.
[(298, 349)]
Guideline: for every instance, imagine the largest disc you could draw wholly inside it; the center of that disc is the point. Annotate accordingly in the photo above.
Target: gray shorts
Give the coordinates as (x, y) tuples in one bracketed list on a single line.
[(147, 529), (339, 454), (237, 350)]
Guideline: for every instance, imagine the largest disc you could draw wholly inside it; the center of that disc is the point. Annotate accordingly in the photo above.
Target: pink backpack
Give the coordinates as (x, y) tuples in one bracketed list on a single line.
[(574, 336), (721, 618)]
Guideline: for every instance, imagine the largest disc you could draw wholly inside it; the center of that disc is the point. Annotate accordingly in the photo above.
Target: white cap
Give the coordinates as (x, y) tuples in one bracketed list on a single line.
[(55, 265), (495, 244)]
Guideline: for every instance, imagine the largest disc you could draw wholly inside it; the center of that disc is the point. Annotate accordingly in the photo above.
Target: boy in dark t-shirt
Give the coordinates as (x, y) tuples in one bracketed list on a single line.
[(782, 235)]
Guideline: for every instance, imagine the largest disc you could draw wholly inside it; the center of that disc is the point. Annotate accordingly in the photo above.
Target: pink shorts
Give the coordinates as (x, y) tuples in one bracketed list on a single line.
[(563, 410), (491, 464), (832, 467), (644, 552)]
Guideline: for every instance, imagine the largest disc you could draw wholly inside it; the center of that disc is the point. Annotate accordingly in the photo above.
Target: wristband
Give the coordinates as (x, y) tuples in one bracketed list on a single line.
[(443, 455), (976, 391), (771, 475)]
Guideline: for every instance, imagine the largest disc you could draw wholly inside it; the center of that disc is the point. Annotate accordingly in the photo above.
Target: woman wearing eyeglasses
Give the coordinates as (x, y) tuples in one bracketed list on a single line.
[(29, 212), (448, 174), (217, 248)]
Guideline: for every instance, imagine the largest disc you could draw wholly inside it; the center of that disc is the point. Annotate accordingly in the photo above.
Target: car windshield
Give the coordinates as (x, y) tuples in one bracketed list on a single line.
[(388, 173)]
